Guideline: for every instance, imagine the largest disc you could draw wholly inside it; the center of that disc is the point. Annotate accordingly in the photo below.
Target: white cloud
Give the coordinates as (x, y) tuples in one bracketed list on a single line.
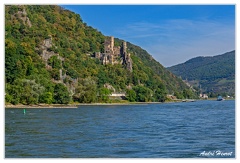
[(175, 41)]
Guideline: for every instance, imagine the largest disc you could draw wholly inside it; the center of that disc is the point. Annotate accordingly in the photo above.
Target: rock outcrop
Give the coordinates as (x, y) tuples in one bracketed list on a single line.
[(110, 87), (22, 14), (46, 55)]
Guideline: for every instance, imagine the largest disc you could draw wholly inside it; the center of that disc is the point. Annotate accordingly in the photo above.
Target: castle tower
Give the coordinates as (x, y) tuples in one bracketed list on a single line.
[(124, 50), (111, 60), (105, 59), (111, 43), (124, 46)]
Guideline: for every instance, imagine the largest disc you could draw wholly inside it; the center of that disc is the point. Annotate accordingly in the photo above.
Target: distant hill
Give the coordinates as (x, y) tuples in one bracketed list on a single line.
[(52, 56), (214, 75)]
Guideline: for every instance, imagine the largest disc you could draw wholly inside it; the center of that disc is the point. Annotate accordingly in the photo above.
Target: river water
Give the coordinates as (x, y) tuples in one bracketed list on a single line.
[(201, 129)]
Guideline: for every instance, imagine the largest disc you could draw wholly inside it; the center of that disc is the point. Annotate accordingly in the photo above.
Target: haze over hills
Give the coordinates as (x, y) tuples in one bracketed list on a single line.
[(214, 75), (52, 56)]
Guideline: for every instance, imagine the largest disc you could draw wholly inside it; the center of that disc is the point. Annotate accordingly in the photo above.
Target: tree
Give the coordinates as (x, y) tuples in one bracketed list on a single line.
[(47, 98), (131, 95), (86, 91), (8, 98), (72, 73), (160, 93), (15, 91), (178, 95), (55, 74), (31, 92), (55, 62), (102, 77), (24, 91), (188, 94), (143, 94), (104, 94), (11, 58), (61, 94)]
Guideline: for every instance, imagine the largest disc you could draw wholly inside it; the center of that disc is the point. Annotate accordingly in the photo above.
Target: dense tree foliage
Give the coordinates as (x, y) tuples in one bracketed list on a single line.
[(143, 94), (131, 95), (104, 95), (61, 95), (48, 59)]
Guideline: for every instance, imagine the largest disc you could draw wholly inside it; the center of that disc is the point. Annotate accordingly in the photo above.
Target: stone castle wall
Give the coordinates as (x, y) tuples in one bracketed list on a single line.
[(112, 54)]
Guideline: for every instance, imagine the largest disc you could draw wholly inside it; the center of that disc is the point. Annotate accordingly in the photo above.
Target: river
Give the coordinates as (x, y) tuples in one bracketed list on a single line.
[(201, 129)]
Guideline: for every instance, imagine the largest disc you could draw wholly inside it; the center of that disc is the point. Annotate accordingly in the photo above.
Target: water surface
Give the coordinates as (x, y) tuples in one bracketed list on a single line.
[(178, 130)]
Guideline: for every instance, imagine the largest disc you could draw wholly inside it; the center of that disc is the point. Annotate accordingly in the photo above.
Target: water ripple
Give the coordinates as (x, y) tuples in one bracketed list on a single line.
[(177, 130)]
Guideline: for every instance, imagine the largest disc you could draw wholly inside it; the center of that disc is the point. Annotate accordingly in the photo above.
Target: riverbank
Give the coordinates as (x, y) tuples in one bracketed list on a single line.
[(76, 105), (42, 106)]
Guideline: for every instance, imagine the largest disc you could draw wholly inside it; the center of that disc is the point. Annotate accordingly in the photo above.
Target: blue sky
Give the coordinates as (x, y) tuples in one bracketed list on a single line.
[(172, 34)]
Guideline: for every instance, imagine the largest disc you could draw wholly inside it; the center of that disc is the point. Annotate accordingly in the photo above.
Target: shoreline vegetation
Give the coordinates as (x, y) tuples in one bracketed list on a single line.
[(76, 105)]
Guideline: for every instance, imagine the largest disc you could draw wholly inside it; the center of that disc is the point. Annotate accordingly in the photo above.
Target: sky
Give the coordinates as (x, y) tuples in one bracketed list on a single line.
[(172, 34)]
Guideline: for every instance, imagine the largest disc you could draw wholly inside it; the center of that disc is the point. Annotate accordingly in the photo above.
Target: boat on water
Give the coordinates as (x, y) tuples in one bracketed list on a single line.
[(220, 98)]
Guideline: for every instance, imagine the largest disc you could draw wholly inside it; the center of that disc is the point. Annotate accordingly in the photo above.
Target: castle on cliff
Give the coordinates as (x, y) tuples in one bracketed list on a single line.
[(114, 55)]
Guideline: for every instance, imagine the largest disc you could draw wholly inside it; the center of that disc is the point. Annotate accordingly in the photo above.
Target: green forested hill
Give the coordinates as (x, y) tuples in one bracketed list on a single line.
[(214, 74), (48, 59)]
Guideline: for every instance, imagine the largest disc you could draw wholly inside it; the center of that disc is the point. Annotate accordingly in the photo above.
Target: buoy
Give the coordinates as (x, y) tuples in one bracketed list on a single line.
[(24, 111)]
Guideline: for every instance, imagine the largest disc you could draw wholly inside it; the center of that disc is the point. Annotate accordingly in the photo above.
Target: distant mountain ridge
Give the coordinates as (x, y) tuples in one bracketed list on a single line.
[(214, 74)]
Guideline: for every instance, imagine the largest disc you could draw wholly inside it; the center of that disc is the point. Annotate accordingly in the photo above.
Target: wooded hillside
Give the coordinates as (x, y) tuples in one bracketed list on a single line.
[(215, 74), (48, 59)]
